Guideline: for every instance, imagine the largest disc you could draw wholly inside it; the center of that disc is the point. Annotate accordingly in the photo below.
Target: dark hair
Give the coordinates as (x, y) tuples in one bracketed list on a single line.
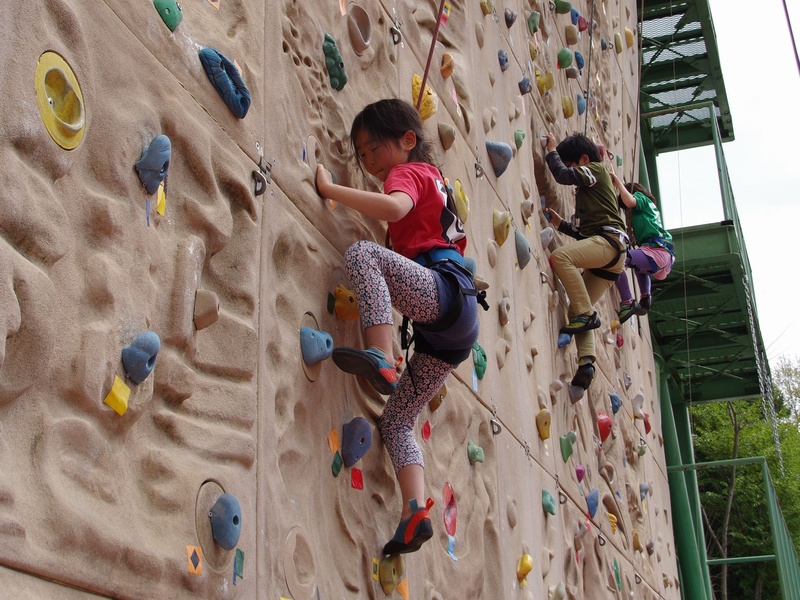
[(635, 187), (390, 119), (573, 147)]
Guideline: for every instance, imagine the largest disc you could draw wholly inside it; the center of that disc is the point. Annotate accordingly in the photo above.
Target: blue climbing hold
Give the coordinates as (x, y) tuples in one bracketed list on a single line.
[(226, 521), (592, 500), (502, 56), (574, 15), (564, 339), (315, 345), (154, 163), (500, 155), (644, 489), (225, 76), (581, 103), (579, 60), (356, 440), (616, 402), (139, 358), (525, 85)]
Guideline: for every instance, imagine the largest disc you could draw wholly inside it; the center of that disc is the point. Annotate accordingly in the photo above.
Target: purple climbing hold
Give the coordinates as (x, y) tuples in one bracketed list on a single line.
[(580, 472), (225, 77), (502, 56), (356, 440), (525, 85), (564, 339)]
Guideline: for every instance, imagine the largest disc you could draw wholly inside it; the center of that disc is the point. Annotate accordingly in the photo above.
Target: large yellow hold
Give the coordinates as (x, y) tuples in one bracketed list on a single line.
[(430, 101)]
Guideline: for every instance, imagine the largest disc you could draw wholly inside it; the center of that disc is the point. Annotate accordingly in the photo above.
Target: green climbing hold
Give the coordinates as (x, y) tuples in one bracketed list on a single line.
[(474, 452), (170, 12), (519, 136), (479, 359), (566, 444), (617, 575), (564, 58), (533, 22), (334, 63), (548, 502), (619, 160), (562, 7)]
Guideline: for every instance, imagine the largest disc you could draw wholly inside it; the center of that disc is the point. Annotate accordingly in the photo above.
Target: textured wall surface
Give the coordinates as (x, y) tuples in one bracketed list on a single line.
[(97, 503)]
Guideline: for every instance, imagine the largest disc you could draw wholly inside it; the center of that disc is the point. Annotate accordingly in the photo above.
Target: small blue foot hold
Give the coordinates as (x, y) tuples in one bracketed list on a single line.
[(356, 440), (564, 339), (152, 166), (225, 77), (226, 521), (502, 56), (500, 155), (315, 345), (525, 85), (592, 500), (616, 402), (139, 358), (575, 393)]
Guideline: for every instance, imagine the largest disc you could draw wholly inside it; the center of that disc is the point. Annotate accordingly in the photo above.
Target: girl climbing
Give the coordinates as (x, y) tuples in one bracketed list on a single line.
[(423, 277), (655, 255)]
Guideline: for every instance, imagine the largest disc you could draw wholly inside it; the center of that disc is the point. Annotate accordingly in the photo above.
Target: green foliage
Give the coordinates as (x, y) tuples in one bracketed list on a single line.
[(748, 531)]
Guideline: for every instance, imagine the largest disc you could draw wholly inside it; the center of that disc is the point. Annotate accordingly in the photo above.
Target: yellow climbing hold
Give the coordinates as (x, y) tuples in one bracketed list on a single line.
[(161, 199), (543, 424), (628, 37), (524, 566), (501, 223), (534, 51), (60, 101), (390, 572), (430, 101), (118, 397), (618, 43), (544, 82), (462, 202), (345, 304), (613, 521), (487, 6), (567, 106)]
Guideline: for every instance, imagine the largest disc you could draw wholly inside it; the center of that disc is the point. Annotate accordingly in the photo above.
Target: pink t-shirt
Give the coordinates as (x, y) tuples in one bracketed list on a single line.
[(429, 224)]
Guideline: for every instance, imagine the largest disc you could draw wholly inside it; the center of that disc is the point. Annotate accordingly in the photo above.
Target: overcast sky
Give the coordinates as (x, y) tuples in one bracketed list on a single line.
[(763, 87)]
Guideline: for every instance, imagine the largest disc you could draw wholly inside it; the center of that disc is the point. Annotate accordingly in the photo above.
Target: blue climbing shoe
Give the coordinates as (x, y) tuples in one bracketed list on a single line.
[(412, 532), (370, 364), (581, 323), (627, 310)]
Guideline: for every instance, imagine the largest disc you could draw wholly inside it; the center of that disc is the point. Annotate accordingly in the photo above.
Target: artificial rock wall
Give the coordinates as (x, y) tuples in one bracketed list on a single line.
[(97, 503)]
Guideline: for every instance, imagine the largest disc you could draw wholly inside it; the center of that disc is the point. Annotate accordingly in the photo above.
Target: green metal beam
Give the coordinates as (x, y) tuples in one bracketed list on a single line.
[(735, 560)]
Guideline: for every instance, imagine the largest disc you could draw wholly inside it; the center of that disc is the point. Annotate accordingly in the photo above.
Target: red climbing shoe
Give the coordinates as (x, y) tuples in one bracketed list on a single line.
[(370, 364), (412, 532)]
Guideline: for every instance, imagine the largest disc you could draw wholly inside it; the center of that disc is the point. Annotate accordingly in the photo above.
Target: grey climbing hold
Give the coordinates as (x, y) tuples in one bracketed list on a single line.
[(139, 358), (226, 521), (500, 155), (154, 163), (502, 56), (356, 440), (523, 249)]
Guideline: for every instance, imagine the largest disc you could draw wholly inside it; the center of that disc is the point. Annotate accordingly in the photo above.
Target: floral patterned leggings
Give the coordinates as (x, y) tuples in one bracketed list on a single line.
[(381, 279)]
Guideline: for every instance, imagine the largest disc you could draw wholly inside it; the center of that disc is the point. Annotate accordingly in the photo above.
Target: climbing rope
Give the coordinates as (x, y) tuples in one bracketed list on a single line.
[(791, 35), (430, 54), (589, 67)]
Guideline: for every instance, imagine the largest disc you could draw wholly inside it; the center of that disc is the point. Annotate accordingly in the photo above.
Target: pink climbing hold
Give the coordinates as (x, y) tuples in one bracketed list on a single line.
[(450, 510), (647, 426), (426, 431), (580, 472), (620, 340)]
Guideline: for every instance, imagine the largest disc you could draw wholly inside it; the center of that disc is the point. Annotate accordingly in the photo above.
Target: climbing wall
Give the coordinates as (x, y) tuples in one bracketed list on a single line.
[(210, 468)]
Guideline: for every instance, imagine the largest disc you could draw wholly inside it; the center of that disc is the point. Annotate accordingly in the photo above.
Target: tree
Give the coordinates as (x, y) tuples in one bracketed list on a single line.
[(733, 500)]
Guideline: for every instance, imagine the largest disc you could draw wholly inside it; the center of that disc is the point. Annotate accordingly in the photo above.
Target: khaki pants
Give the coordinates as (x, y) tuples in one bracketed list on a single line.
[(585, 289)]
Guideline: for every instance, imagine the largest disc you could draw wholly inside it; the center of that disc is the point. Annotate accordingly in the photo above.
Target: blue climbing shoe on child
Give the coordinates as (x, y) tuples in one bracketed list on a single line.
[(627, 310), (412, 532), (371, 364)]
